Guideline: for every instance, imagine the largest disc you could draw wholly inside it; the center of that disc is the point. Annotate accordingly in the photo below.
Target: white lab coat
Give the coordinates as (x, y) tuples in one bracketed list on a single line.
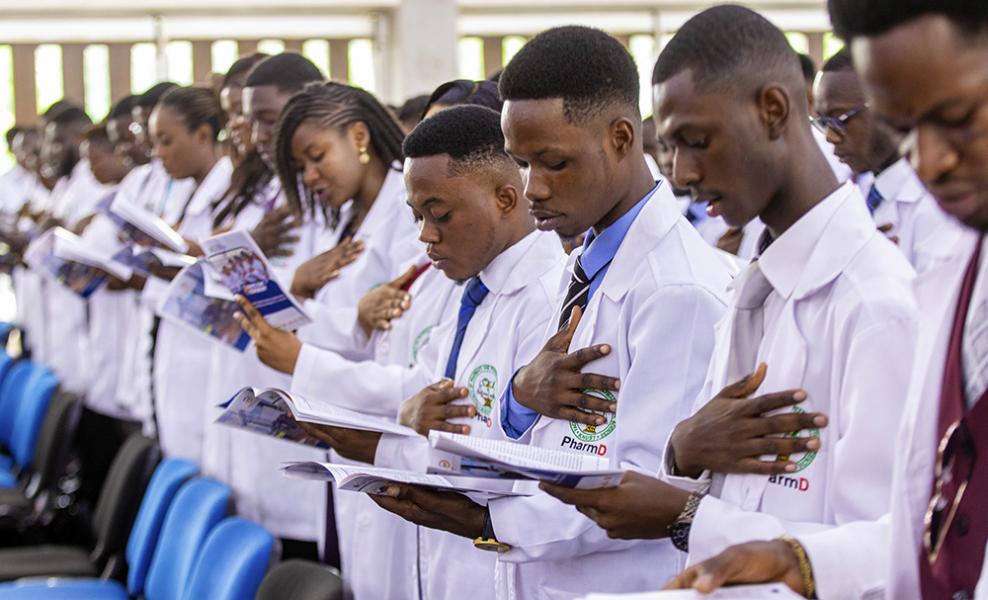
[(379, 561), (863, 560), (390, 238), (656, 307), (925, 232), (74, 198), (506, 333), (17, 186), (840, 324), (181, 357)]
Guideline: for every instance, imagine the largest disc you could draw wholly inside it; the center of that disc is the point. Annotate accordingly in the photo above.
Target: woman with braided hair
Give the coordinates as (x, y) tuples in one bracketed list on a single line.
[(338, 155)]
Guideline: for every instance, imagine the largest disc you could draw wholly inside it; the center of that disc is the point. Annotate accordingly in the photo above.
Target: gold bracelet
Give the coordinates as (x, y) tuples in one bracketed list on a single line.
[(805, 570)]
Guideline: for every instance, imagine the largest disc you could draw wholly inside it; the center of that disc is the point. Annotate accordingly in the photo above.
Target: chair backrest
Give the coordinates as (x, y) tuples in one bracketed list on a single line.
[(232, 563), (6, 361), (51, 452), (168, 478), (37, 393), (198, 507), (120, 497), (11, 394), (301, 580)]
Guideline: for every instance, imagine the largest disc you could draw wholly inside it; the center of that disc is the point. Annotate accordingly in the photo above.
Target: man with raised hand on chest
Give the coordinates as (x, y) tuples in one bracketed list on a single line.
[(822, 324), (649, 290)]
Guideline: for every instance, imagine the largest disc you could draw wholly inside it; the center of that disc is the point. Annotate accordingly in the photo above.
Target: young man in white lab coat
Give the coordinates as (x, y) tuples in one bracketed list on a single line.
[(467, 195), (651, 290), (827, 306), (925, 67), (897, 200)]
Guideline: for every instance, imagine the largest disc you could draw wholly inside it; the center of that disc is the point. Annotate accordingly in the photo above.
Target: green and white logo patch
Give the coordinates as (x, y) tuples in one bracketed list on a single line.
[(802, 459), (595, 433), (483, 389)]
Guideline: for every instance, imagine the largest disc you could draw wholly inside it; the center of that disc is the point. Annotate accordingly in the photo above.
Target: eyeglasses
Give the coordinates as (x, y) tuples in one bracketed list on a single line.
[(839, 123), (955, 456)]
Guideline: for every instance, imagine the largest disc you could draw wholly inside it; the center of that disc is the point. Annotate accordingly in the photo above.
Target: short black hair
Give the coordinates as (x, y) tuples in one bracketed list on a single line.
[(240, 68), (411, 110), (726, 45), (96, 135), (470, 134), (150, 98), (288, 72), (123, 108), (464, 91), (68, 114), (841, 61), (857, 18), (587, 68), (809, 67)]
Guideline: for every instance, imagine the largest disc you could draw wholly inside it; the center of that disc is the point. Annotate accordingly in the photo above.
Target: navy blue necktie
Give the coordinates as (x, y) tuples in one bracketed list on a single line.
[(874, 198), (473, 294)]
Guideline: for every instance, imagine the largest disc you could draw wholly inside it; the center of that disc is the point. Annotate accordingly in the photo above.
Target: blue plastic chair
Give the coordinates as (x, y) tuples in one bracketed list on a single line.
[(232, 563), (162, 491), (11, 393), (37, 392)]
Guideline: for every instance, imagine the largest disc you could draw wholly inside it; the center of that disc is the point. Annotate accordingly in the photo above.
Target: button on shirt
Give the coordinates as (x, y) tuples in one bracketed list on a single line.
[(598, 252)]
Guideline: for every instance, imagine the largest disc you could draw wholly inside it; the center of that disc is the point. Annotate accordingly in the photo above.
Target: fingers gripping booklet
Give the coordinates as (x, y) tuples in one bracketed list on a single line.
[(456, 454), (143, 227), (243, 269), (275, 413)]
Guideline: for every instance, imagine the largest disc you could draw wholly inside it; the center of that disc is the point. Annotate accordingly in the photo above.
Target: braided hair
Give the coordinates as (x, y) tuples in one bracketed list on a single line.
[(333, 105)]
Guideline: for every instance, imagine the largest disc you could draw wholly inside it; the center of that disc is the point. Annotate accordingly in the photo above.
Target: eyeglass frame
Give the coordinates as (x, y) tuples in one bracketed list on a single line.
[(939, 529), (839, 123)]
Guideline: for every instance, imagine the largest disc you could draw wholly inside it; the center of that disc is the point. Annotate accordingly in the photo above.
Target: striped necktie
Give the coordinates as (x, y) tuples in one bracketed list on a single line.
[(577, 293), (874, 198)]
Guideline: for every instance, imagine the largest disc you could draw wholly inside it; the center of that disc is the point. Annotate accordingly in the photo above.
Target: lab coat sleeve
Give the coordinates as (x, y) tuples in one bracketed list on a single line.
[(672, 327), (154, 290), (335, 328), (366, 386), (874, 379), (402, 452), (850, 561)]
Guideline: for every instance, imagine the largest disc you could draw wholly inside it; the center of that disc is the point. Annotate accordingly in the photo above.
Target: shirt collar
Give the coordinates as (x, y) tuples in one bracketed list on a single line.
[(784, 261), (599, 250), (891, 181), (497, 272)]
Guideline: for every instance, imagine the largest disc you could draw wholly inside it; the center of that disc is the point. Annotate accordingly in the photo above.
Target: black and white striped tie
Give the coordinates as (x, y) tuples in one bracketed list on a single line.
[(576, 294)]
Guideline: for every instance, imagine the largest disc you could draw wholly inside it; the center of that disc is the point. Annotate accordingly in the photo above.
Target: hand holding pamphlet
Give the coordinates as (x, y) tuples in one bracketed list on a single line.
[(143, 227), (452, 453), (244, 270), (374, 480), (275, 412), (80, 277)]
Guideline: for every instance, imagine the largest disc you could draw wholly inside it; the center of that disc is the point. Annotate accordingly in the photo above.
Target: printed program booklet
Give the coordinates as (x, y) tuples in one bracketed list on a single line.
[(58, 255), (455, 454), (244, 270), (375, 480), (143, 227), (187, 303), (274, 413)]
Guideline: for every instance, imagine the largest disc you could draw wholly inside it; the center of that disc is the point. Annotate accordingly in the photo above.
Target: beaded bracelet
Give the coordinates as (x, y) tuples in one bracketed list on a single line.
[(805, 570)]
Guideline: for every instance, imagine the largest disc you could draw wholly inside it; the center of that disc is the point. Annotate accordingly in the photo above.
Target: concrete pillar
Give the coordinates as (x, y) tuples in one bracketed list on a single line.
[(816, 47), (119, 70), (339, 60), (419, 44), (202, 61), (73, 79), (25, 86)]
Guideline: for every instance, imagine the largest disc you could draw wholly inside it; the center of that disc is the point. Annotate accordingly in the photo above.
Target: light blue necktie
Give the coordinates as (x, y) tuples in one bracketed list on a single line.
[(473, 295)]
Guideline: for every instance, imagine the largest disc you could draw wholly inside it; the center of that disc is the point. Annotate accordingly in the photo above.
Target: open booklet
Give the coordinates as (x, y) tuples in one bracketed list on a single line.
[(766, 591), (274, 412), (141, 261), (456, 454), (244, 270), (69, 246), (143, 227), (375, 480), (187, 304), (82, 278)]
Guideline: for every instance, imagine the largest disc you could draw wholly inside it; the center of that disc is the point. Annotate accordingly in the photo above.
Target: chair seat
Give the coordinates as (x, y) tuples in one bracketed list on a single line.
[(7, 479), (63, 589), (6, 462), (47, 561)]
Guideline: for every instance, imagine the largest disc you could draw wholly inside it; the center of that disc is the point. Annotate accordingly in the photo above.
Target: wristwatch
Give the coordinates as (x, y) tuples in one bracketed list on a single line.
[(679, 529), (487, 540)]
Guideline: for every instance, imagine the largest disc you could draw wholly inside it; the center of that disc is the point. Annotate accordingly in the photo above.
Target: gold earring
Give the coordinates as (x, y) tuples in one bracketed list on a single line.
[(364, 157)]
